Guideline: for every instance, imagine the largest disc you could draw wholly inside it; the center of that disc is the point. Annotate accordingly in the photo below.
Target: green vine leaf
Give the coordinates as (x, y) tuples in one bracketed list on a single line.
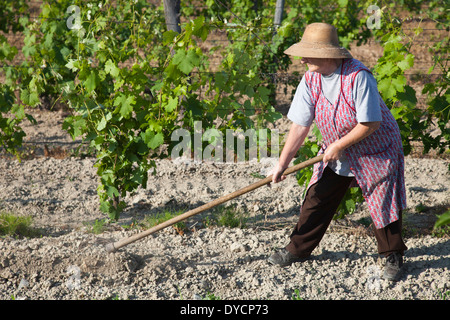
[(91, 81), (111, 68), (186, 61), (153, 140), (125, 104)]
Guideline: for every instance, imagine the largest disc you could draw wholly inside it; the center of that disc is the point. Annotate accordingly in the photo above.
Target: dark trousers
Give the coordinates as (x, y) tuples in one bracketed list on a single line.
[(320, 204)]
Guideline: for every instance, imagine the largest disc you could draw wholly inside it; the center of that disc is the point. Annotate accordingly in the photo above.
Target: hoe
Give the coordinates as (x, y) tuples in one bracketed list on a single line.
[(114, 246)]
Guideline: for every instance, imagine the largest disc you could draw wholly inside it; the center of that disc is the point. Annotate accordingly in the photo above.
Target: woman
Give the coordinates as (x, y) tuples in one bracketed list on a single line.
[(361, 147)]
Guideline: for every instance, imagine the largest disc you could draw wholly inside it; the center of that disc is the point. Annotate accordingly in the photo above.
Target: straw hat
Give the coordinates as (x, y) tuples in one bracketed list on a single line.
[(320, 40)]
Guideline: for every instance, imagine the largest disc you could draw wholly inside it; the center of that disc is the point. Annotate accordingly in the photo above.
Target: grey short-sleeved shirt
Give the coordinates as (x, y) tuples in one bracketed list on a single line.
[(365, 95)]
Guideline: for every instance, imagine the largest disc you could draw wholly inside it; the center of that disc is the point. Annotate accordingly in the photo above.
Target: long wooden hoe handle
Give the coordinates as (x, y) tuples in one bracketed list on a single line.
[(114, 246)]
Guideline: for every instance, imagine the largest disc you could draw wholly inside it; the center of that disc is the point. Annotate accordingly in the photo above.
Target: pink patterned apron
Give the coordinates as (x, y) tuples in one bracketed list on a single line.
[(377, 162)]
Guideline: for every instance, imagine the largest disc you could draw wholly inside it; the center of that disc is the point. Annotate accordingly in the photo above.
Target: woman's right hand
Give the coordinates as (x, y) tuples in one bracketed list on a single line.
[(277, 173), (296, 136)]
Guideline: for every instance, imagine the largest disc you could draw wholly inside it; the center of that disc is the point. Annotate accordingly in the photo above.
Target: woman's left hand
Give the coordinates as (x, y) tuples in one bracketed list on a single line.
[(362, 130), (333, 152)]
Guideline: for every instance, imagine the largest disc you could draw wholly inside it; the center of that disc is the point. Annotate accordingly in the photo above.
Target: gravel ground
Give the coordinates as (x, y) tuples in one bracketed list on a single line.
[(230, 263), (68, 262)]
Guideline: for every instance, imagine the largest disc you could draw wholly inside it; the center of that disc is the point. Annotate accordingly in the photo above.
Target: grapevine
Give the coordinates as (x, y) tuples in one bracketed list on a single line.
[(129, 82)]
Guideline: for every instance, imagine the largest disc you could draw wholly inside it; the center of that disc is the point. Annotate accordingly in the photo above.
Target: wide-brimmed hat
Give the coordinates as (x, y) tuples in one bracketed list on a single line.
[(320, 40)]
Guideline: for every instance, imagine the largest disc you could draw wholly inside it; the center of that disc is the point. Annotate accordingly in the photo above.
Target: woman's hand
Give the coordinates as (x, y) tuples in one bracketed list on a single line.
[(277, 173), (362, 130), (333, 152), (294, 140)]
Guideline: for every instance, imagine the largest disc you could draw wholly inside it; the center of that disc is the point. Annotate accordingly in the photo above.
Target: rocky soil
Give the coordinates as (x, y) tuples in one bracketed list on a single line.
[(69, 262)]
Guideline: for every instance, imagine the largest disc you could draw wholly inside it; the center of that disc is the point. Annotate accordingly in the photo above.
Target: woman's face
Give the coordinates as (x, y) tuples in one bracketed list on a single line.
[(323, 66)]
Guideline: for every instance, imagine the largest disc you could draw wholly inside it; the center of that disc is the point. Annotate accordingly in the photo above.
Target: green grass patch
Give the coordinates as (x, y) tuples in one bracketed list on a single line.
[(17, 226), (228, 217), (441, 232), (151, 221), (210, 296), (96, 227), (444, 295), (220, 216), (296, 295)]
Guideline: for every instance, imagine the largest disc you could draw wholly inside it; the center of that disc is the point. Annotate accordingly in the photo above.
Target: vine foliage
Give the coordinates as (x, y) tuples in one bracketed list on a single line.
[(129, 83)]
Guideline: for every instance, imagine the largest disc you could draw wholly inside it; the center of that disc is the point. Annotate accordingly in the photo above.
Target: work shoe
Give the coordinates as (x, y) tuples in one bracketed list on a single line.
[(284, 258), (392, 268)]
